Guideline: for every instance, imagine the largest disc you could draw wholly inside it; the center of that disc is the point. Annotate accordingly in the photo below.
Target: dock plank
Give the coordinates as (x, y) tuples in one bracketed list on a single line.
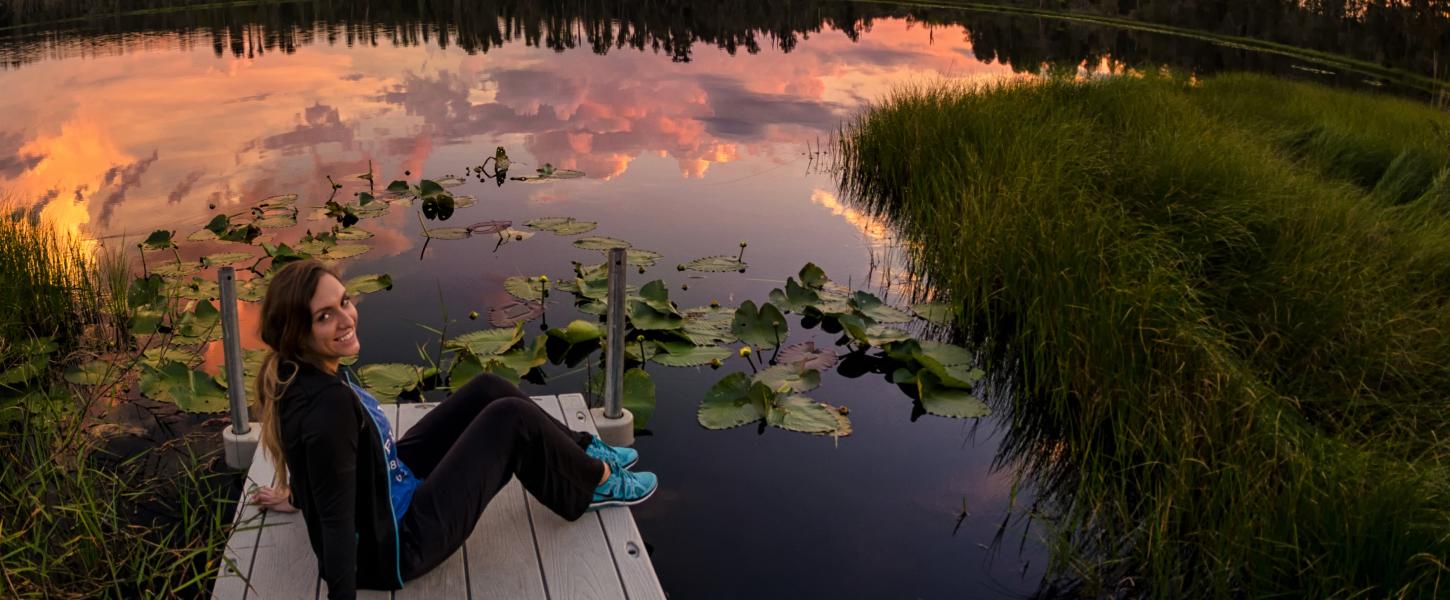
[(626, 545), (447, 580), (575, 556), (246, 528), (503, 562)]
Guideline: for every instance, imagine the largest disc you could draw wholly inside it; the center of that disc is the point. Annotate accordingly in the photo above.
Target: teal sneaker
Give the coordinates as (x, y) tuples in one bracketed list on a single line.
[(624, 488), (618, 458)]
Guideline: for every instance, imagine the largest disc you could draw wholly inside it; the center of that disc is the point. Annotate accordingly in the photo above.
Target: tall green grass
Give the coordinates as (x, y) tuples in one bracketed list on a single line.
[(69, 524), (1225, 307)]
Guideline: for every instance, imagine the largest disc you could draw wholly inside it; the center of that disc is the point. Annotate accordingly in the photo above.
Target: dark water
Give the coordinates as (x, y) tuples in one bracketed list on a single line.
[(697, 125)]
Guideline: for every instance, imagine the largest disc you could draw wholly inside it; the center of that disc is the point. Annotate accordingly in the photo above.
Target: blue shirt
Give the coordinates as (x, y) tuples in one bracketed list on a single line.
[(401, 482)]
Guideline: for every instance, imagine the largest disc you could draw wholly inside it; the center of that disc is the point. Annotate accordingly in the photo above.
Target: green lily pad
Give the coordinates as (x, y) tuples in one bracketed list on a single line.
[(201, 235), (96, 372), (449, 182), (159, 240), (525, 359), (200, 324), (639, 396), (801, 414), (795, 298), (946, 354), (278, 201), (254, 289), (160, 355), (387, 380), (277, 221), (251, 364), (36, 353), (643, 316), (715, 264), (939, 313), (176, 269), (641, 351), (464, 201), (561, 225), (353, 234), (941, 400), (871, 334), (729, 403), (709, 325), (763, 327), (515, 235), (599, 242), (526, 289), (189, 389), (487, 342), (871, 306), (784, 378), (228, 258), (371, 211), (813, 276), (657, 296), (342, 251), (196, 289), (367, 284), (682, 354), (493, 227), (577, 332), (642, 258)]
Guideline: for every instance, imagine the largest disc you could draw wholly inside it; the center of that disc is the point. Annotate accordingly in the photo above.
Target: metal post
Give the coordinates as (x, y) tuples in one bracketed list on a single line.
[(232, 347), (614, 353)]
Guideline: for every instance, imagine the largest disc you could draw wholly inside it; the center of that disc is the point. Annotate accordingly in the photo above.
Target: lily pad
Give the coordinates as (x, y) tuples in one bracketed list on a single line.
[(715, 264), (795, 298), (871, 306), (784, 378), (643, 316), (464, 201), (276, 221), (189, 389), (561, 225), (939, 313), (525, 359), (577, 332), (160, 355), (353, 234), (526, 289), (642, 258), (251, 364), (254, 289), (871, 334), (807, 355), (515, 235), (813, 277), (201, 235), (507, 315), (801, 414), (599, 242), (729, 403), (449, 182), (96, 372), (228, 258), (487, 342), (939, 399), (682, 354), (159, 240), (763, 327), (639, 396), (367, 284), (447, 233), (278, 201), (196, 289), (709, 325), (387, 380), (176, 269), (494, 227), (342, 251)]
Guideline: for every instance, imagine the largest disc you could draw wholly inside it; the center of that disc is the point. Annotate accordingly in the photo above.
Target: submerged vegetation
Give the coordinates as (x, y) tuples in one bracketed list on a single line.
[(1226, 307)]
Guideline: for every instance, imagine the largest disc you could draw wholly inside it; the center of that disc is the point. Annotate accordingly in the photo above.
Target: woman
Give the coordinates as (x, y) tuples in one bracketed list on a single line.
[(379, 513)]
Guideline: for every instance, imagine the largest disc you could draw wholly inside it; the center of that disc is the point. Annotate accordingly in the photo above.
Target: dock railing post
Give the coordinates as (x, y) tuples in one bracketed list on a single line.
[(615, 423), (240, 440)]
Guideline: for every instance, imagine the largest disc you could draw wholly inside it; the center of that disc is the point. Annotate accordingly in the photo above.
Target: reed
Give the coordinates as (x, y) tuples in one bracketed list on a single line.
[(1229, 344)]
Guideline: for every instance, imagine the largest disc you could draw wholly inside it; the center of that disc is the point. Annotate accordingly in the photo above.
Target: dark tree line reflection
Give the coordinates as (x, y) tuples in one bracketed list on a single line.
[(1412, 35)]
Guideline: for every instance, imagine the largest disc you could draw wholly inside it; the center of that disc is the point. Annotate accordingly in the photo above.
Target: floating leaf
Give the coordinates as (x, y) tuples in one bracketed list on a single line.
[(763, 327), (639, 396), (682, 354), (449, 182), (523, 360), (189, 389), (801, 414), (871, 306), (561, 225), (201, 323), (176, 269), (353, 234), (466, 365), (715, 264), (515, 235), (387, 380), (196, 289), (642, 258), (871, 335), (641, 351), (160, 355), (657, 296), (643, 316), (507, 315), (494, 227), (96, 372), (228, 258), (728, 403), (159, 240), (464, 201), (487, 342), (935, 312), (939, 399), (807, 355), (278, 201), (446, 233), (251, 364), (342, 251), (371, 211), (789, 378), (813, 277), (278, 221), (709, 325), (526, 289), (577, 332), (201, 235), (946, 354), (796, 298), (254, 289), (598, 242), (367, 284)]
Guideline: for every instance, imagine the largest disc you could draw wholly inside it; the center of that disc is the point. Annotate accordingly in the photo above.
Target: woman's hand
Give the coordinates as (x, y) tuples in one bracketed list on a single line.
[(269, 499)]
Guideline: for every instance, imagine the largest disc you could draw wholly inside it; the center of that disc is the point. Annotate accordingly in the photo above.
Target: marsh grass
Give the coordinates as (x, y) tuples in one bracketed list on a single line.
[(1225, 305), (72, 515)]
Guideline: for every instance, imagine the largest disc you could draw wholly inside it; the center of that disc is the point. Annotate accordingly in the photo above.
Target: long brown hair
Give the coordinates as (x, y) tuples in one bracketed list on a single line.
[(286, 327)]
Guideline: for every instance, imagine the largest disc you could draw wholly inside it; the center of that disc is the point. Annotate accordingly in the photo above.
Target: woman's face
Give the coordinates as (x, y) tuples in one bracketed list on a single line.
[(334, 321)]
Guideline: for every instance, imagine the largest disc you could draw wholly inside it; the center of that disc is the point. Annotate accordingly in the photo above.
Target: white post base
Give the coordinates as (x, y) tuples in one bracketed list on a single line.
[(241, 448), (615, 432)]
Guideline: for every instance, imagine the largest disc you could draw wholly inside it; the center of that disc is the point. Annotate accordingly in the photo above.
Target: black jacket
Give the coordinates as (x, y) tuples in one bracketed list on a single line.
[(339, 480)]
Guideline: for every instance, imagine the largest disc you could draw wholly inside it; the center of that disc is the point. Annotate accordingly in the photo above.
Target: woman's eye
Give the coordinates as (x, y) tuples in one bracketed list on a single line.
[(322, 317)]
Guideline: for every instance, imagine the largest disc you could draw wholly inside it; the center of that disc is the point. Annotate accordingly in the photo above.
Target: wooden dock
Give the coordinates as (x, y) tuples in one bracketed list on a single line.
[(519, 550)]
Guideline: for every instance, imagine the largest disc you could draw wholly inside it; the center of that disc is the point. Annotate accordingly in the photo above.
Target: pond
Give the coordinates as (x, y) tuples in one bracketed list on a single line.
[(695, 130)]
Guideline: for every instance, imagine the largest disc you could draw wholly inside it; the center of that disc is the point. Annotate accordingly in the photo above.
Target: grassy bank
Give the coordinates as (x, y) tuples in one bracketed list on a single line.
[(1226, 305), (70, 513)]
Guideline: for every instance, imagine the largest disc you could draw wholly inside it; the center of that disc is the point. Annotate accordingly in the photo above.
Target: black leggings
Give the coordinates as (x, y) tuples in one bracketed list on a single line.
[(465, 450)]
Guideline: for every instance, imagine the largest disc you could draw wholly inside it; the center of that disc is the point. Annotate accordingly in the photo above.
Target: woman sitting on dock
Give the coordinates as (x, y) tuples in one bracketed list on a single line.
[(378, 511)]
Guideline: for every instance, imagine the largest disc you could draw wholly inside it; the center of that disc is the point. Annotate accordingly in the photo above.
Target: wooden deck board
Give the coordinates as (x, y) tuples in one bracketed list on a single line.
[(520, 550)]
